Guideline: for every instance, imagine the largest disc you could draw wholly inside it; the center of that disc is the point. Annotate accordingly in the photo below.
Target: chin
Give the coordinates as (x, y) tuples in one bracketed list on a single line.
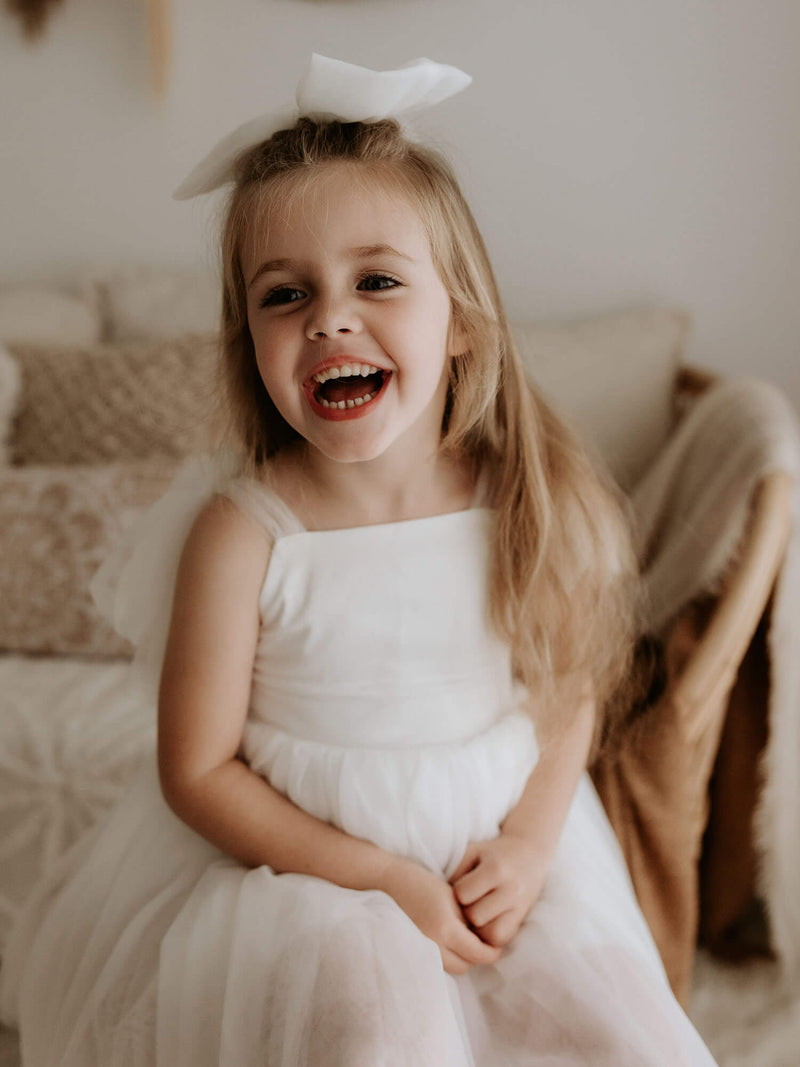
[(353, 452), (352, 442)]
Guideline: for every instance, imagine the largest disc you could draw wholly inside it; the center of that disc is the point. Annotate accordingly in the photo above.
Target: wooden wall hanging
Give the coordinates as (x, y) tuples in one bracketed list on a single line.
[(160, 29), (33, 14)]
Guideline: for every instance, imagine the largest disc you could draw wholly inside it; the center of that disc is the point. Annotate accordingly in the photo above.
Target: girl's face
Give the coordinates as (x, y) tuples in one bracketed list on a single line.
[(350, 319)]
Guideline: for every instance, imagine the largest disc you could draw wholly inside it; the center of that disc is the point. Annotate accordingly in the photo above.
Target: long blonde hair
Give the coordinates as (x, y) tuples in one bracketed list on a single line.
[(562, 567)]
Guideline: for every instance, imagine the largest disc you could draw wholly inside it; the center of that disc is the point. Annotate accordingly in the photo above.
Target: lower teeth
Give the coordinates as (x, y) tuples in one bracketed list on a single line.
[(343, 404)]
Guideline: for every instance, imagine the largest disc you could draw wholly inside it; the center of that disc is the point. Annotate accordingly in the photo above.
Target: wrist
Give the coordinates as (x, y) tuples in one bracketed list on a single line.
[(538, 847), (393, 872)]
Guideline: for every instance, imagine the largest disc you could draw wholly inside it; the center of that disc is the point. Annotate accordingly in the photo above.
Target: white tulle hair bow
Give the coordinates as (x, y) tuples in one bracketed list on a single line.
[(331, 90)]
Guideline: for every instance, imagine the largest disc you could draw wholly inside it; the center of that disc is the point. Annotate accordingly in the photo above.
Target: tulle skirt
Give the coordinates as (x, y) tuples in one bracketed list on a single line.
[(148, 946)]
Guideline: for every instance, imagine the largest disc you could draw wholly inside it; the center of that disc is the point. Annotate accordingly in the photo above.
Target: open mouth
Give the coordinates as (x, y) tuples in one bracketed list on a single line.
[(347, 387)]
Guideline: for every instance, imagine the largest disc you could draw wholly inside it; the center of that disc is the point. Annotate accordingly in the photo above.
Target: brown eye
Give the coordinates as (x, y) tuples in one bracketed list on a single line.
[(373, 283), (283, 294)]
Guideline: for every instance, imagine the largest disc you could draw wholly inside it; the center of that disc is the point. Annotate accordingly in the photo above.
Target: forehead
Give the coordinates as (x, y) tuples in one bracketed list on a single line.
[(339, 207)]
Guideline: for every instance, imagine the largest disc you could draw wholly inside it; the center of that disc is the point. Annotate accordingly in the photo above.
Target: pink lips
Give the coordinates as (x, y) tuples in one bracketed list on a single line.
[(341, 414)]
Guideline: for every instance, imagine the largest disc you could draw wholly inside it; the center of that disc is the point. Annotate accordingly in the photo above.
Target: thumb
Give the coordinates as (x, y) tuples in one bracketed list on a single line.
[(468, 861)]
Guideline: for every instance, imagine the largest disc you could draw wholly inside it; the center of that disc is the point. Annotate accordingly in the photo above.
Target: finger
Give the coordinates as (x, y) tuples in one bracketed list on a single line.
[(453, 963), (500, 931), (473, 885), (469, 946), (488, 908), (468, 861)]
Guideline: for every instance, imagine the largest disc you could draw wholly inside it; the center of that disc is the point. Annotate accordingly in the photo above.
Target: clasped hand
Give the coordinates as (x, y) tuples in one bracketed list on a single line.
[(479, 911), (496, 884)]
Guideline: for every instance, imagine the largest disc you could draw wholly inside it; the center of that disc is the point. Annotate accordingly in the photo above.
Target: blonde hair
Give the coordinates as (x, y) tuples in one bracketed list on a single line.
[(562, 565)]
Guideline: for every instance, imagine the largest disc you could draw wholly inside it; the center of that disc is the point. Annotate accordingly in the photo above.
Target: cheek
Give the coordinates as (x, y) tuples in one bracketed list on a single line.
[(263, 370), (433, 335), (268, 368), (436, 315), (271, 355), (425, 327)]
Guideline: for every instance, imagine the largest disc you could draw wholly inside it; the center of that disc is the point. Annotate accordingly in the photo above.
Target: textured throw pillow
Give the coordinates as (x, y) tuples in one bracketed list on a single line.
[(57, 524), (109, 403), (612, 376)]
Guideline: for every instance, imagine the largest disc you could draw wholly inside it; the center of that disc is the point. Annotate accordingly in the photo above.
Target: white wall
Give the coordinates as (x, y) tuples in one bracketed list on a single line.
[(614, 151)]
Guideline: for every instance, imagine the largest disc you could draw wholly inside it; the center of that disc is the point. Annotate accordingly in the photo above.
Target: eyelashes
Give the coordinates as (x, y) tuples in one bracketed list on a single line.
[(369, 282), (281, 294), (375, 282)]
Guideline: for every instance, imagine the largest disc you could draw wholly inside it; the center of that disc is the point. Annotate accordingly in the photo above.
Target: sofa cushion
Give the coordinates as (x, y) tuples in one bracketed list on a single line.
[(49, 315), (147, 303), (107, 403), (57, 525), (611, 377)]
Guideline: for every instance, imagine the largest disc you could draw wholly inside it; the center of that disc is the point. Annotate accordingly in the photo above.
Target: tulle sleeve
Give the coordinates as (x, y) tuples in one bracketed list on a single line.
[(134, 586)]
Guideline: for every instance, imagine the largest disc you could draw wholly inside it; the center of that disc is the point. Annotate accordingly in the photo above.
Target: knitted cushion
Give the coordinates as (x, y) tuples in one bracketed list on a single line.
[(106, 403), (57, 524)]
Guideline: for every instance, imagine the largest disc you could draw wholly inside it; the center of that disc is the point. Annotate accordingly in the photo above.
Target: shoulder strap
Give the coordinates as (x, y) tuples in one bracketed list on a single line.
[(264, 505)]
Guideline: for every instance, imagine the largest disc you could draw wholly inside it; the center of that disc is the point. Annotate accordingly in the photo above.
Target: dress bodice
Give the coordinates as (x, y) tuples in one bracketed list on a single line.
[(377, 635), (381, 697)]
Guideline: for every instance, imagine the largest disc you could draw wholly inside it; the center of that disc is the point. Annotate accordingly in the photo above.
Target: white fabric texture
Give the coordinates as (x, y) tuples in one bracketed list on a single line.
[(330, 89), (692, 507), (73, 735), (382, 703)]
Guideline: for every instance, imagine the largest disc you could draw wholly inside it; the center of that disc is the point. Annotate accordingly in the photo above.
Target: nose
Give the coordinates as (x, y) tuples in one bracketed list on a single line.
[(331, 316)]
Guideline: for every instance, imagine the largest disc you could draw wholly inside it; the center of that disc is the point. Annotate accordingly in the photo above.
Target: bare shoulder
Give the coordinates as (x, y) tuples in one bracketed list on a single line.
[(227, 542)]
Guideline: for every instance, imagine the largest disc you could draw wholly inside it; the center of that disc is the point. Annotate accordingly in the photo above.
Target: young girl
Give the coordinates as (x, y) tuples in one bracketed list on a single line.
[(391, 636)]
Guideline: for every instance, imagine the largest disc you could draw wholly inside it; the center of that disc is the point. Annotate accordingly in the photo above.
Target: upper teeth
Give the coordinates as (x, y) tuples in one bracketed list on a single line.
[(349, 370)]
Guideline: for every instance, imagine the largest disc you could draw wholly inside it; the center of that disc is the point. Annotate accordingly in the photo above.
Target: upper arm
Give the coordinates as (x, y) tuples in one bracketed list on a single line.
[(206, 676)]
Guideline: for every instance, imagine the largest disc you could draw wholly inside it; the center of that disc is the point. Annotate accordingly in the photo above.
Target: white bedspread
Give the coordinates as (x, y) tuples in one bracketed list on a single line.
[(72, 733)]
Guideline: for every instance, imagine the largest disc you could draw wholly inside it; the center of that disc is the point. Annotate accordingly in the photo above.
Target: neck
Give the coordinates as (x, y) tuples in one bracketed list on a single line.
[(397, 485), (385, 489)]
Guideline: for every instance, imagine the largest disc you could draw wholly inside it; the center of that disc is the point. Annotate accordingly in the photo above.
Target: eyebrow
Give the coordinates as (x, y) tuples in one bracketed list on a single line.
[(361, 252)]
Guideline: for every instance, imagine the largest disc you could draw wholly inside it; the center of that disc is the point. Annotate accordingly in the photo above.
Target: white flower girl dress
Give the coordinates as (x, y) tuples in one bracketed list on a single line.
[(382, 703)]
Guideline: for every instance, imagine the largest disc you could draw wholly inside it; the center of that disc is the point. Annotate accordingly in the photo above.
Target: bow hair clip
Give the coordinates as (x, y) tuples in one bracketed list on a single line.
[(331, 90)]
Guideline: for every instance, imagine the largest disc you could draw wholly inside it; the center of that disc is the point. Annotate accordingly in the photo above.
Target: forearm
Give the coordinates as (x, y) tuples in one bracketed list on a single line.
[(239, 812), (542, 809)]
